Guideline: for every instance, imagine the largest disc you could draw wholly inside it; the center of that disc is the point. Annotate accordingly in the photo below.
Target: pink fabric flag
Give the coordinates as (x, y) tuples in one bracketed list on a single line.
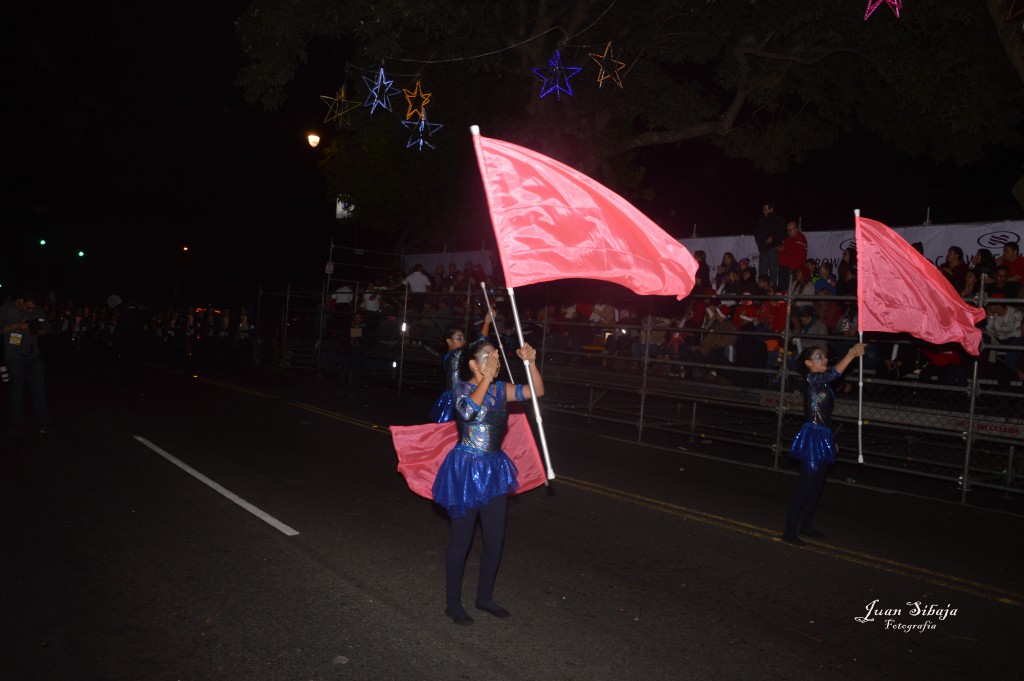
[(421, 449), (553, 222), (901, 291)]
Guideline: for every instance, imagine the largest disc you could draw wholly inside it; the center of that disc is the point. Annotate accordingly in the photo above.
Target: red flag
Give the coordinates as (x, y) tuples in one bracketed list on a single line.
[(899, 290), (553, 222), (421, 449)]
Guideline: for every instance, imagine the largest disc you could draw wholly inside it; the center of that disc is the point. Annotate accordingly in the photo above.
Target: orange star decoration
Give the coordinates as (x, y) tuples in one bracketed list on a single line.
[(411, 96), (608, 66), (1013, 12), (338, 107)]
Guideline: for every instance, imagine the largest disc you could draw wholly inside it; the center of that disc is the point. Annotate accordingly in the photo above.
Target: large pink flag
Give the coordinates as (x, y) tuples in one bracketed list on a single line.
[(901, 291), (553, 222)]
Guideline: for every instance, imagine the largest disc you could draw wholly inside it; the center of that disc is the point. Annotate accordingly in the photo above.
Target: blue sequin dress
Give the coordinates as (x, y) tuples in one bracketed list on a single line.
[(476, 470), (444, 409), (814, 444)]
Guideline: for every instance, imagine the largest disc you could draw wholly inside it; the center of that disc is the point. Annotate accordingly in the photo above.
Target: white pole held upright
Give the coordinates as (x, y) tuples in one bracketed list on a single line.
[(529, 379), (494, 326), (860, 377)]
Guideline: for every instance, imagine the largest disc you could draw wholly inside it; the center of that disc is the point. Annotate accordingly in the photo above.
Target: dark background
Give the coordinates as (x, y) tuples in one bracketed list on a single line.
[(128, 140)]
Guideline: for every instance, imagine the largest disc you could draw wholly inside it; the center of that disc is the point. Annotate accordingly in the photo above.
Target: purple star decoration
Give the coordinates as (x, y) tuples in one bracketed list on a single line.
[(419, 131), (380, 90), (556, 77), (894, 5)]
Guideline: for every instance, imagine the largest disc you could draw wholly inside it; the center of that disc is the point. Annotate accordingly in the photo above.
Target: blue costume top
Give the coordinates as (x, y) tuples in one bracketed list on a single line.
[(814, 444), (476, 470), (444, 409)]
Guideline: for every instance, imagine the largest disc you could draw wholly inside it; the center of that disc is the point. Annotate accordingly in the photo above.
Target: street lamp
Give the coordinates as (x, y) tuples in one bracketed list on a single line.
[(313, 139)]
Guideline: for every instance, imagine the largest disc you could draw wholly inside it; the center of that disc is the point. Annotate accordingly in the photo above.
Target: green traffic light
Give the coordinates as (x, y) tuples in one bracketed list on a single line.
[(81, 254), (42, 242)]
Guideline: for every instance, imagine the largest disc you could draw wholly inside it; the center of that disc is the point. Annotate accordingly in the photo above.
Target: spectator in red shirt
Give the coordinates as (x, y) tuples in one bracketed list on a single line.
[(1014, 263), (792, 254)]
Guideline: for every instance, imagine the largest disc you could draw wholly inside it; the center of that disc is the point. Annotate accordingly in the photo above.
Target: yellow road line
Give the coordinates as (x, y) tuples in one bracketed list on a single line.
[(838, 552), (236, 388), (341, 417)]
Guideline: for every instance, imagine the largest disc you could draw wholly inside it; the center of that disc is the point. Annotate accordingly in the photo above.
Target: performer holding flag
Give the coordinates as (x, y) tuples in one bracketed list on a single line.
[(476, 476), (551, 222), (814, 445)]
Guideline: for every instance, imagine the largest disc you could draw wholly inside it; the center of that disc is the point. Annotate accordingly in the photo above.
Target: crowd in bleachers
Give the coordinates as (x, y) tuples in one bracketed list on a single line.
[(735, 317)]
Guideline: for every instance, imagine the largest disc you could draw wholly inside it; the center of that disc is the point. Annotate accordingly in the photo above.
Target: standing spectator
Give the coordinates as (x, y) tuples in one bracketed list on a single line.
[(417, 281), (703, 268), (769, 233), (23, 324), (814, 446), (792, 253)]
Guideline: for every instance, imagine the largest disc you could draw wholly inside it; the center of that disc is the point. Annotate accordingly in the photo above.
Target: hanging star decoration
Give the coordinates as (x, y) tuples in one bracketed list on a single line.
[(381, 90), (419, 131), (1013, 13), (556, 77), (416, 95), (894, 5), (608, 66), (338, 107)]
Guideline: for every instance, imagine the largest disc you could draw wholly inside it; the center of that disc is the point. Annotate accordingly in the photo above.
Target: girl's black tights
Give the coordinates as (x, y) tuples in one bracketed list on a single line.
[(492, 526)]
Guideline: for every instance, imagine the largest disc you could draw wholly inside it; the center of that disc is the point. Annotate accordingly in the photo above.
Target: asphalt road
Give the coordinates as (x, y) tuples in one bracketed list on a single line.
[(123, 561)]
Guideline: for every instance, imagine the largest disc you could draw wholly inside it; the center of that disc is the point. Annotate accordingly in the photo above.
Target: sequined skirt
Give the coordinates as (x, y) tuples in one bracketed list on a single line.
[(469, 478), (813, 446), (443, 410)]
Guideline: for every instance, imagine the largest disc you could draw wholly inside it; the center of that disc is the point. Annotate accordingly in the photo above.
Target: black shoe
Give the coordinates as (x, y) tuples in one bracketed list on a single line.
[(493, 608), (794, 540), (814, 534), (459, 616)]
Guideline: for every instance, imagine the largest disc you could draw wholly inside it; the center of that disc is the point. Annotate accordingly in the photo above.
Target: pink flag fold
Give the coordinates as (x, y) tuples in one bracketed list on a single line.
[(422, 448), (553, 222), (901, 291)]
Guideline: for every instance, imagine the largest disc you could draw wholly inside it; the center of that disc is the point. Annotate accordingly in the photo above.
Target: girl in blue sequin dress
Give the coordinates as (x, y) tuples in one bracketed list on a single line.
[(814, 445), (476, 476)]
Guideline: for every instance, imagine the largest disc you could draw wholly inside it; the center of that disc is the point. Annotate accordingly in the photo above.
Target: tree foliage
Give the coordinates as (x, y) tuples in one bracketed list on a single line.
[(767, 80)]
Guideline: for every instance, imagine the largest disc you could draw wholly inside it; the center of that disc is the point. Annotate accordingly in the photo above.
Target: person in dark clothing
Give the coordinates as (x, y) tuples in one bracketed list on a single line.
[(814, 445), (769, 233)]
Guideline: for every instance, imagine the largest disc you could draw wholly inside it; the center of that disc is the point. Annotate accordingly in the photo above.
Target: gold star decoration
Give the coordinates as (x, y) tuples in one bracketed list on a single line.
[(338, 107), (411, 96), (608, 66), (1014, 13)]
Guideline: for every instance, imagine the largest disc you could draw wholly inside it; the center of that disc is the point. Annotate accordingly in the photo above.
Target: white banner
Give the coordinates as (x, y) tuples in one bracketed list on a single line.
[(936, 239)]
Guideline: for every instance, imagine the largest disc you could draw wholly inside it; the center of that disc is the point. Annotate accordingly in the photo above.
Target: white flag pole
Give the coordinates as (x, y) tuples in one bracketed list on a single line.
[(494, 325), (860, 371), (475, 130), (533, 397)]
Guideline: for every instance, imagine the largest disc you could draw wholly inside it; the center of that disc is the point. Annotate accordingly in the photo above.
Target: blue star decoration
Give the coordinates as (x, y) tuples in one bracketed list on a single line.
[(419, 131), (556, 77), (608, 66), (380, 90)]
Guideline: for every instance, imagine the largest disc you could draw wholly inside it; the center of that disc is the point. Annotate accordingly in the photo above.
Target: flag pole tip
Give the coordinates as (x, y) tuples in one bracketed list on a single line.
[(474, 129)]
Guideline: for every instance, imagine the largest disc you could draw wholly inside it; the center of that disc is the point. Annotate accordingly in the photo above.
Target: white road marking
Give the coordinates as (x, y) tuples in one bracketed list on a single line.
[(272, 521)]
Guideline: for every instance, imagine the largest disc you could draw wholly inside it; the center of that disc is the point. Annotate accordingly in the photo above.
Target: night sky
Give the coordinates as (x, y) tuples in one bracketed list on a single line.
[(128, 140)]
